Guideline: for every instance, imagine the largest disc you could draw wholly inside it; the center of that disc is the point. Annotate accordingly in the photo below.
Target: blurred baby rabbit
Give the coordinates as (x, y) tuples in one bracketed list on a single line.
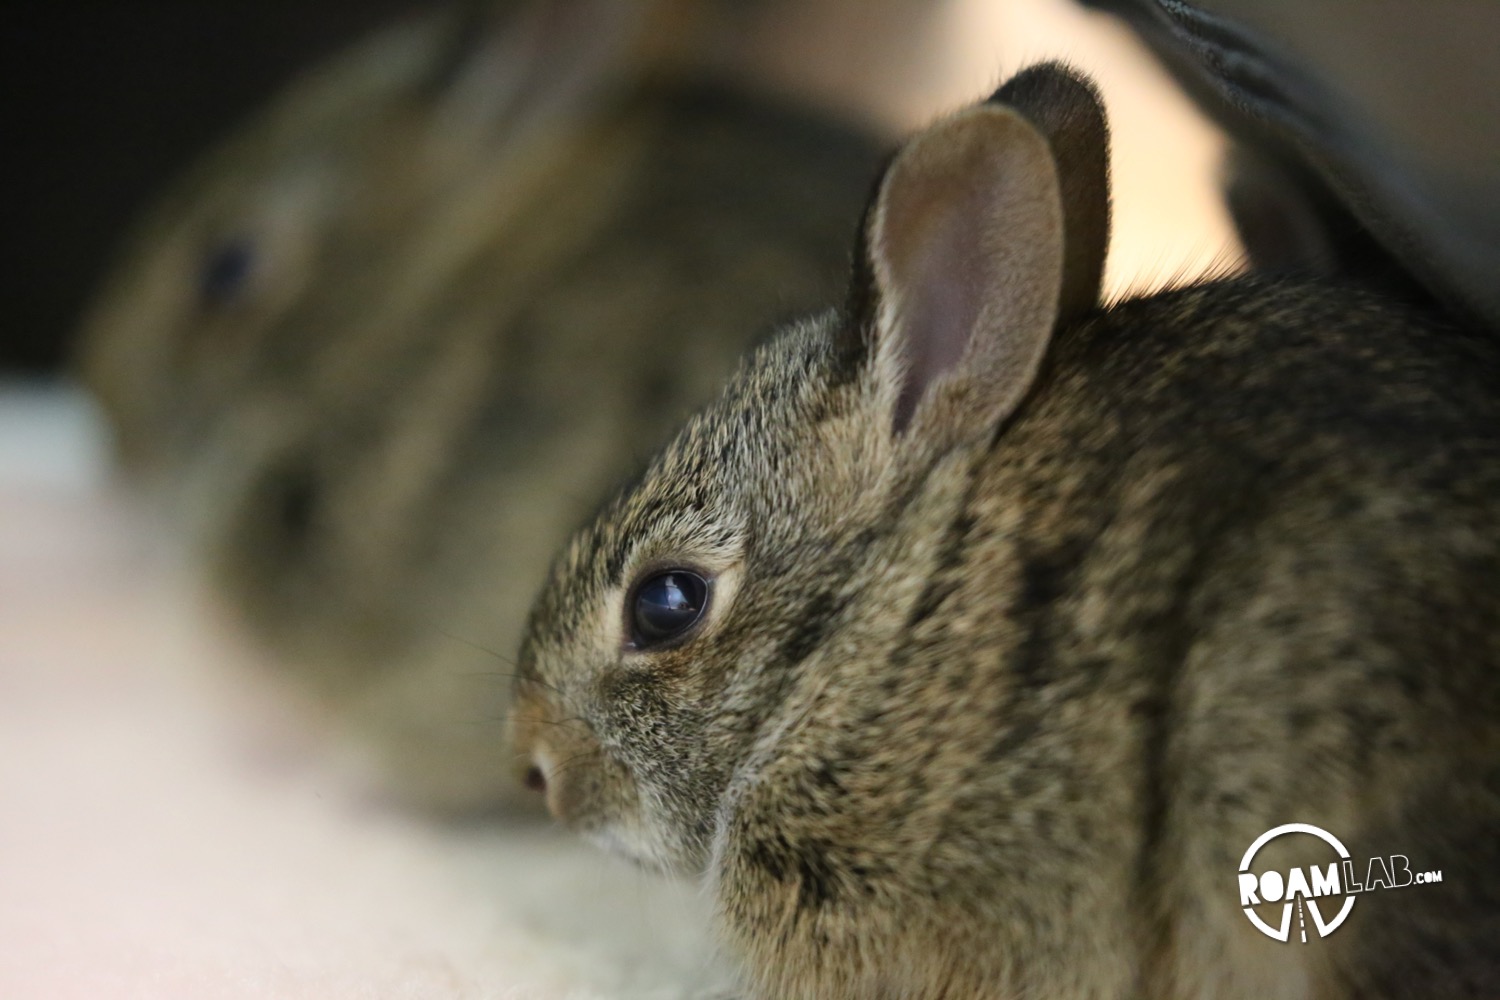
[(967, 641), (391, 342)]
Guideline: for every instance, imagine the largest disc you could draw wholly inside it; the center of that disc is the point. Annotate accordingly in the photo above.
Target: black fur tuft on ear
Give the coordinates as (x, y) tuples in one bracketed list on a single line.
[(1067, 109)]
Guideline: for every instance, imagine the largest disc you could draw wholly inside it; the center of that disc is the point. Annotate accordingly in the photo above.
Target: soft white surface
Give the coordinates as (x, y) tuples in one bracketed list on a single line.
[(170, 825)]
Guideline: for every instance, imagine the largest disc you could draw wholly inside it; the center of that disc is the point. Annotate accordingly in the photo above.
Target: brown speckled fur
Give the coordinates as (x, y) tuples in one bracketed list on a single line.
[(991, 707)]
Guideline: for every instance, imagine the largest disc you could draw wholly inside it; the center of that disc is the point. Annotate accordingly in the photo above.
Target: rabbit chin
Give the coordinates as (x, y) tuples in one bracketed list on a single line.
[(636, 841)]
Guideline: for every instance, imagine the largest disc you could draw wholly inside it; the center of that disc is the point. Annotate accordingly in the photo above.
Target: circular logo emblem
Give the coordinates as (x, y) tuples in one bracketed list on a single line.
[(1295, 890)]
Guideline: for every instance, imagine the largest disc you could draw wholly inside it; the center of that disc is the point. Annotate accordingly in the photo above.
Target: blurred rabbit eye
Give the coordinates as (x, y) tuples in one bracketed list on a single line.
[(226, 270), (666, 605)]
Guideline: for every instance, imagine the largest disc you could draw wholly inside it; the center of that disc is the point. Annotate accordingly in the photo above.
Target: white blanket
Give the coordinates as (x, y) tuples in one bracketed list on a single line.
[(172, 827)]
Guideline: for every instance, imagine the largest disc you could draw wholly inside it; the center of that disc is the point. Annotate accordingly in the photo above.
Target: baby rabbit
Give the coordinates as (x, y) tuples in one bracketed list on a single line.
[(964, 645), (391, 342)]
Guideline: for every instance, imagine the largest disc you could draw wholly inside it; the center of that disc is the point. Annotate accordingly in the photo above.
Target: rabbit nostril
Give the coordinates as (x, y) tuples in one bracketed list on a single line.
[(535, 779)]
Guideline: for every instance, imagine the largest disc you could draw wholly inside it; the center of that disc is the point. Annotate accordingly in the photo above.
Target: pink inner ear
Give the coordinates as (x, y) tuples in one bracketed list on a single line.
[(941, 309), (966, 250)]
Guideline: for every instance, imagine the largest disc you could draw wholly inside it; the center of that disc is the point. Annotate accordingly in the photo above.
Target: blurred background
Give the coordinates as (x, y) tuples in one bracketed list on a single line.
[(104, 101)]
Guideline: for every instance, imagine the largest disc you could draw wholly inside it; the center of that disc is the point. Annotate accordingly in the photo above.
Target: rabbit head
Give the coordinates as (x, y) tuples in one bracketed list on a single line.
[(261, 265), (672, 625)]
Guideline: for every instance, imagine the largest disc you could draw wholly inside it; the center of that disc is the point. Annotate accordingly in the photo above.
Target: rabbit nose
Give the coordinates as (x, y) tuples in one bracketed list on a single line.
[(535, 779)]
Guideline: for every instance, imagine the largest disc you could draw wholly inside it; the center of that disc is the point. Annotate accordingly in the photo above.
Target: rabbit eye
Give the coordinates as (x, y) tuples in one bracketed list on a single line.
[(226, 270), (666, 605)]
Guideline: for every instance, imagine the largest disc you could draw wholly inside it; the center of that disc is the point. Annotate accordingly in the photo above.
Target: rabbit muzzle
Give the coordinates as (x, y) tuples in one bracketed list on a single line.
[(585, 788)]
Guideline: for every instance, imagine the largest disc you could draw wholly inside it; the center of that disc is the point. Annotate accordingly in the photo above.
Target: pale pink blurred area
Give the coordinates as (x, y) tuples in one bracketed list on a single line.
[(173, 825)]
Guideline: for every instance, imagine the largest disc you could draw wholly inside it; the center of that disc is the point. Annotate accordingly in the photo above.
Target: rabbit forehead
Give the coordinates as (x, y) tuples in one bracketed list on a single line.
[(704, 495)]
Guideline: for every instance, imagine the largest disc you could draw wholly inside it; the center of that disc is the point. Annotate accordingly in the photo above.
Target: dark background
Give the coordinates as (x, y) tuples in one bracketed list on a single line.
[(105, 100), (102, 102)]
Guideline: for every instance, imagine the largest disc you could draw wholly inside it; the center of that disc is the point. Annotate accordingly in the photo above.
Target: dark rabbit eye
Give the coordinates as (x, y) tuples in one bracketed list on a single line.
[(667, 605), (226, 270)]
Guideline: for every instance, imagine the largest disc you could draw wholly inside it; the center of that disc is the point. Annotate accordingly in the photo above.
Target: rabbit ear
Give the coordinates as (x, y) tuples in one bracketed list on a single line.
[(1066, 108), (509, 65), (987, 230)]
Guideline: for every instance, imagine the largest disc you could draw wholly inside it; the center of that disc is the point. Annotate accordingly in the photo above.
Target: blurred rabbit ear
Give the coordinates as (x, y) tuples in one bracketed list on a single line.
[(1289, 222), (1281, 221), (510, 65), (987, 230)]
